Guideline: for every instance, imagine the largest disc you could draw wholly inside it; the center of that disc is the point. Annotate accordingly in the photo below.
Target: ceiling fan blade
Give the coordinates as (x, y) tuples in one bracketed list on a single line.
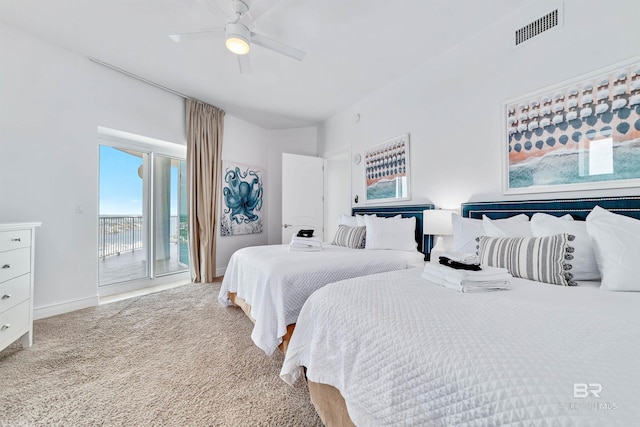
[(244, 64), (276, 46), (258, 8), (194, 35), (215, 8)]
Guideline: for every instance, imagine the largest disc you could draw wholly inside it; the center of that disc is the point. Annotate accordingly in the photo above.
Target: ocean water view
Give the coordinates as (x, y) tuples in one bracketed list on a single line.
[(572, 166), (387, 189), (124, 233)]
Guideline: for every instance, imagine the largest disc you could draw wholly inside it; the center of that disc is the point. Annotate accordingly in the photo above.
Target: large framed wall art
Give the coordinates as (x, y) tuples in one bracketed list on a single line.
[(386, 169), (581, 134), (242, 192)]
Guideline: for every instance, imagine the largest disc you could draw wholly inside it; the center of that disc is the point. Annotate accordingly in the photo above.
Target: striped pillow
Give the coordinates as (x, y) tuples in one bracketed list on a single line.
[(350, 237), (542, 259)]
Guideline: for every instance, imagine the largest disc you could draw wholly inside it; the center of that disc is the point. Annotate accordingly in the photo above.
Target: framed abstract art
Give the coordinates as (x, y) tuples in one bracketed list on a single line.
[(581, 134), (386, 169)]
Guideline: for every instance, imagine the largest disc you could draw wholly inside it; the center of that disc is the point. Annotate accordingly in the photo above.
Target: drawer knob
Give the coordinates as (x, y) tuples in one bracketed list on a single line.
[(15, 239), (5, 327), (6, 296), (6, 266)]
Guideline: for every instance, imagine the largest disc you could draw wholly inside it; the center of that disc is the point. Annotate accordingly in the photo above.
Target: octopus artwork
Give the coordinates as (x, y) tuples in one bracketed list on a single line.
[(242, 194)]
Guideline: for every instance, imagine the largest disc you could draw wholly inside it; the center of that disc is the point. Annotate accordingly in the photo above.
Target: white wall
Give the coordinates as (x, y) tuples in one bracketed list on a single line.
[(337, 190), (252, 145), (302, 141), (452, 104), (51, 103), (242, 143)]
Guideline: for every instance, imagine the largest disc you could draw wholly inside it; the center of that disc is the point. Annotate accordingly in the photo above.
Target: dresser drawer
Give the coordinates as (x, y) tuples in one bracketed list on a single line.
[(14, 320), (14, 291), (14, 239), (14, 263)]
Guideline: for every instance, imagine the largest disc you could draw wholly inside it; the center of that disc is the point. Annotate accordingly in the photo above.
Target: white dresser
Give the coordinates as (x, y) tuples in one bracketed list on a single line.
[(16, 282)]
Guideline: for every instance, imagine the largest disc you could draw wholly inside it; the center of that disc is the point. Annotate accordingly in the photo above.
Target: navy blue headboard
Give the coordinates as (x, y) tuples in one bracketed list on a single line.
[(578, 208), (406, 211)]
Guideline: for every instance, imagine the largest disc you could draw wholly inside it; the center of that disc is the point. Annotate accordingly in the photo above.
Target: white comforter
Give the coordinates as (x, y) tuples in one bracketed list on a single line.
[(404, 351), (276, 281)]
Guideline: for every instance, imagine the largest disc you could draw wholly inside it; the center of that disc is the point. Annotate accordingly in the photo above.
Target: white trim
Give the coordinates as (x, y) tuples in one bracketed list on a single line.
[(141, 292), (118, 138), (64, 307), (134, 285)]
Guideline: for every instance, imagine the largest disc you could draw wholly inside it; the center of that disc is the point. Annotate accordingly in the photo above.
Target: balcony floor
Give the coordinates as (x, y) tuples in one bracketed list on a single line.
[(133, 265)]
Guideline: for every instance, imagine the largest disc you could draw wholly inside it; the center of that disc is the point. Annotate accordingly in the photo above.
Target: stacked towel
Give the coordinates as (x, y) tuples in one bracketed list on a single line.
[(487, 279), (305, 244), (467, 258)]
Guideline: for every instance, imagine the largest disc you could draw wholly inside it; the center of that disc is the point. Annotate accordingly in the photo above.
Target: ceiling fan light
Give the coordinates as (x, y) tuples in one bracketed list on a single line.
[(237, 38), (237, 45)]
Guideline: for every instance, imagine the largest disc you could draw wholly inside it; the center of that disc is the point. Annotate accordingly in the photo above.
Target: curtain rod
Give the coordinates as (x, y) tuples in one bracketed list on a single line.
[(142, 79)]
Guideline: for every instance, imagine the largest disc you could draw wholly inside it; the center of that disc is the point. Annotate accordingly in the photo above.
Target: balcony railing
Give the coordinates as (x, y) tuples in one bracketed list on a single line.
[(119, 234)]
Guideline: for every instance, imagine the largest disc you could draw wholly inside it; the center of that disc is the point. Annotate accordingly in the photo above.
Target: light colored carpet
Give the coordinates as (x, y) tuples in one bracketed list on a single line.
[(173, 358)]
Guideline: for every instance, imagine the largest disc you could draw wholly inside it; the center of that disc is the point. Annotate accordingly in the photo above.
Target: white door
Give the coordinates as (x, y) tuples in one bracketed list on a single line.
[(302, 195), (337, 195)]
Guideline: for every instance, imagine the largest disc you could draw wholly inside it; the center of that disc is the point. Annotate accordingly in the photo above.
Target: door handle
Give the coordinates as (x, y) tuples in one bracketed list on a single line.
[(5, 327), (6, 266), (286, 225)]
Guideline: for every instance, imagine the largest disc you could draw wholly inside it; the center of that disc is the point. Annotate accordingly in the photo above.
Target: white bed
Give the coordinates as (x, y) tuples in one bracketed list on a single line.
[(275, 282), (410, 352)]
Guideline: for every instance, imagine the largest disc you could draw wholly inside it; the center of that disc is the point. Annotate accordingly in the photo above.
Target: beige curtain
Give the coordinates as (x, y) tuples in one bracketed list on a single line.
[(205, 125)]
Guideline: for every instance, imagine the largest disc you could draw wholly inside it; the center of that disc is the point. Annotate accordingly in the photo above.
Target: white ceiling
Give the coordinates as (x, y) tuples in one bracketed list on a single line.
[(353, 46)]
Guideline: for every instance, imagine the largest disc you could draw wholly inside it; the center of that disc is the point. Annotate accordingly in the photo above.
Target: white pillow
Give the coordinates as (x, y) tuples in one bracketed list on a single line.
[(467, 230), (391, 233), (616, 244), (497, 228), (584, 266), (360, 219), (345, 219)]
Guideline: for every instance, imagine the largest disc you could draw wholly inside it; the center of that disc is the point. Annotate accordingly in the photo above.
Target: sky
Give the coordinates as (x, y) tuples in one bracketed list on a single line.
[(120, 185)]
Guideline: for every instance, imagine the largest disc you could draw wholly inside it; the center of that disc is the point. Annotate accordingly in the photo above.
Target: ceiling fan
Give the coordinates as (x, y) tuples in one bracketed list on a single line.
[(239, 38)]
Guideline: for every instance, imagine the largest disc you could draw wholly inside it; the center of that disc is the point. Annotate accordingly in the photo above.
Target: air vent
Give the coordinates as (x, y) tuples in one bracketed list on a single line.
[(538, 26)]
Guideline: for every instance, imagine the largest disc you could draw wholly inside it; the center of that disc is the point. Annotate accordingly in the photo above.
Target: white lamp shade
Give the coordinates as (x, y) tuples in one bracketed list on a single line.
[(437, 222)]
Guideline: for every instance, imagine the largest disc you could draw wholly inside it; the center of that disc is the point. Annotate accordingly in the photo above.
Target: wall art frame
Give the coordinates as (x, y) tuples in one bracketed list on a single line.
[(387, 172), (241, 204), (580, 134)]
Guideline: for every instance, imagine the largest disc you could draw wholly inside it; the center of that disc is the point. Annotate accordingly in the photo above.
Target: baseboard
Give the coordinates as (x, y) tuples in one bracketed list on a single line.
[(220, 271), (64, 307)]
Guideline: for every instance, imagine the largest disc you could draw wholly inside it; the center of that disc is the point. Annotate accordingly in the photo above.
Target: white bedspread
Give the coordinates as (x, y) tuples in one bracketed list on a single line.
[(404, 351), (276, 281)]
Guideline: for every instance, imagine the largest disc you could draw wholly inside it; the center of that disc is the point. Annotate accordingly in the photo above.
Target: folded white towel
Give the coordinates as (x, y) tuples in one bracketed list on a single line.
[(487, 279), (307, 241), (303, 248), (467, 288), (435, 279)]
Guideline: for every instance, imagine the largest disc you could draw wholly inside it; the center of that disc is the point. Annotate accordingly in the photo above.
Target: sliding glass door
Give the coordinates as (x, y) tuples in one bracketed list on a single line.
[(142, 214), (170, 215)]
